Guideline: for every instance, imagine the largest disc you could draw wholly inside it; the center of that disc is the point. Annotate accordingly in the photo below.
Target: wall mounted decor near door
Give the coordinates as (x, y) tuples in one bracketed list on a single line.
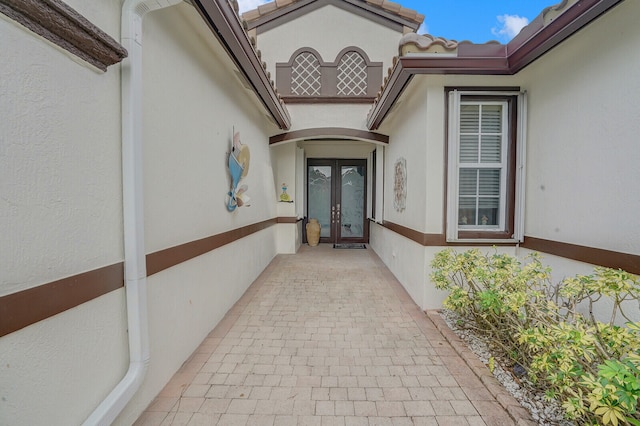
[(400, 184), (238, 169)]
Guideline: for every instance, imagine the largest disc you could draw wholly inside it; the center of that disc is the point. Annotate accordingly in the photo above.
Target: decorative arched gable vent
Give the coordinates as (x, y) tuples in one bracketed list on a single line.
[(306, 75), (352, 77)]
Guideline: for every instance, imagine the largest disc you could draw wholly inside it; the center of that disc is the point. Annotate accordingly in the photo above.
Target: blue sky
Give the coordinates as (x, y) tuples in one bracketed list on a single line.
[(475, 20)]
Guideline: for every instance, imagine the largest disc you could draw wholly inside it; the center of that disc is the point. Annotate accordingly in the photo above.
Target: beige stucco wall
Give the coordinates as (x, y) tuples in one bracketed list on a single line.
[(311, 116), (59, 162), (61, 205), (190, 110), (581, 152), (584, 122), (329, 30), (283, 160)]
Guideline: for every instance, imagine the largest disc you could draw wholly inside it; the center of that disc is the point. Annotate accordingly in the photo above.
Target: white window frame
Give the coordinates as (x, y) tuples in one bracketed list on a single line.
[(454, 165)]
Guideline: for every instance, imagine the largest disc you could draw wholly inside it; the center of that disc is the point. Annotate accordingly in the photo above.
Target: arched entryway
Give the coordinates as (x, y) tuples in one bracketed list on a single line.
[(335, 179)]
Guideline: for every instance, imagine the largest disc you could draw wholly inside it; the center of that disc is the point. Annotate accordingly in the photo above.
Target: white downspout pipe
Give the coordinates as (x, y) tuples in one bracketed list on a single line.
[(133, 11)]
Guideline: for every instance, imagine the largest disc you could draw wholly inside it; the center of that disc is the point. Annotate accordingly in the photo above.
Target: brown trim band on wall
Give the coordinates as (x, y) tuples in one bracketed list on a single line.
[(595, 256), (164, 259), (436, 240), (57, 22), (21, 309), (417, 236), (289, 219), (27, 307)]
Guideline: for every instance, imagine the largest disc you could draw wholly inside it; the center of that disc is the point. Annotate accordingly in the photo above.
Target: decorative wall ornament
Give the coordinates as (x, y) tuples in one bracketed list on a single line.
[(284, 197), (400, 184), (238, 169)]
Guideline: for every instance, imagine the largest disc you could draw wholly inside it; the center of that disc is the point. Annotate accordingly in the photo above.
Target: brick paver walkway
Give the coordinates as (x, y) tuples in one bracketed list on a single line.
[(327, 337)]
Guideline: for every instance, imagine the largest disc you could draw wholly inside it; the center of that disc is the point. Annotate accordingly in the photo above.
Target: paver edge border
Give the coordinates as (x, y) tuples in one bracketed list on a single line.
[(518, 413)]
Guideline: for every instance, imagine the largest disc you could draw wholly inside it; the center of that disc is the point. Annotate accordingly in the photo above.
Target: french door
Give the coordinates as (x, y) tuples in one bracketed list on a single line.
[(336, 196)]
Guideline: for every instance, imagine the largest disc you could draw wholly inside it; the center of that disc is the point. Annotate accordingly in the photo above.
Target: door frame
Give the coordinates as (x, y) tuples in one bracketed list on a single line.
[(336, 194)]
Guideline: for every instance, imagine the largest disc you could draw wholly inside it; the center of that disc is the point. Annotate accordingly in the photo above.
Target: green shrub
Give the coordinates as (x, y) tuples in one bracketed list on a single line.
[(591, 367)]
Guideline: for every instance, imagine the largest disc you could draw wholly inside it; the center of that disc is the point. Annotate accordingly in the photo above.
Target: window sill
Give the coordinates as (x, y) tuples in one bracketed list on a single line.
[(484, 241)]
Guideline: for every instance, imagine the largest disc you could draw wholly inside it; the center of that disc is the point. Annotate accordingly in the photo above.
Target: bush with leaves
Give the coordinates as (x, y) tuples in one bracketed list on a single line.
[(591, 367)]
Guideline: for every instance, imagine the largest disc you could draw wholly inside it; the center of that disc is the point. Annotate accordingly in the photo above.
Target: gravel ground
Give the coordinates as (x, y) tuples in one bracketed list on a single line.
[(544, 412)]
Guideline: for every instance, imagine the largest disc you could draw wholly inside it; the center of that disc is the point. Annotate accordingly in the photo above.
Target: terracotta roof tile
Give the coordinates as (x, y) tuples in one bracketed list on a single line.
[(283, 3), (388, 6), (391, 6), (251, 15), (426, 43), (267, 8)]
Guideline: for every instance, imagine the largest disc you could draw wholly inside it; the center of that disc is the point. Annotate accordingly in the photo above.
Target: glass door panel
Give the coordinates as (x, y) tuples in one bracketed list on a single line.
[(320, 197), (352, 201), (336, 196)]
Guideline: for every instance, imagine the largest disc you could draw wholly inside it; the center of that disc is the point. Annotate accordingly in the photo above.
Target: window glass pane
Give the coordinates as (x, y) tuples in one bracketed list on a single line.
[(489, 182), (488, 211), (468, 182), (467, 211), (491, 148), (491, 118), (468, 148), (469, 118)]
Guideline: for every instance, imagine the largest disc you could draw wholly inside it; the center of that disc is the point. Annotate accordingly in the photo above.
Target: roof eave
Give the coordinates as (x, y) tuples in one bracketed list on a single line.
[(273, 16), (531, 44), (227, 28), (523, 50), (408, 66)]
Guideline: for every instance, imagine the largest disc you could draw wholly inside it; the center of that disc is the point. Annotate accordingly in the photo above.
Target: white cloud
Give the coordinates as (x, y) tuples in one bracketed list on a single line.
[(424, 29), (250, 4), (510, 26)]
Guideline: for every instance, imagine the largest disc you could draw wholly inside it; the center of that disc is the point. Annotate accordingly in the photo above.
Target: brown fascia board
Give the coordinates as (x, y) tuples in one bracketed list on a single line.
[(526, 47), (408, 66), (284, 14), (225, 25), (484, 59), (57, 22)]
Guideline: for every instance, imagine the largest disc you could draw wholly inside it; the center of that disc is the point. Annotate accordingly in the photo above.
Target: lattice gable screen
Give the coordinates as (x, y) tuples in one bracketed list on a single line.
[(350, 76), (305, 75)]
